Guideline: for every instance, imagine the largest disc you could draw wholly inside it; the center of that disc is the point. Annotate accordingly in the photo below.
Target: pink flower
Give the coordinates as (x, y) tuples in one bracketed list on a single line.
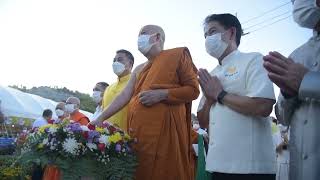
[(85, 134), (101, 147), (91, 127)]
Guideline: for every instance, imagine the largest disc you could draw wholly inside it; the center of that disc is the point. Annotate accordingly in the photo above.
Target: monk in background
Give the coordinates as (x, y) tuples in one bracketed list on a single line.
[(72, 107), (159, 93)]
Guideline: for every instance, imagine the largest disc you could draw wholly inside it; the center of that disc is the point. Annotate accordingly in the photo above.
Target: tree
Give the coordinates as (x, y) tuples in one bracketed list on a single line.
[(60, 95)]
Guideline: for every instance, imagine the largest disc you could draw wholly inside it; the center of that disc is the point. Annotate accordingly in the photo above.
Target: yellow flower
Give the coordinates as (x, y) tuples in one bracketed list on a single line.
[(11, 171), (65, 122), (40, 146), (100, 130), (115, 138), (42, 128), (127, 137)]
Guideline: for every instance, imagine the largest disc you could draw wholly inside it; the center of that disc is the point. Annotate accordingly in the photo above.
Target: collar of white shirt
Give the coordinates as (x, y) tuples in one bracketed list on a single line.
[(229, 58)]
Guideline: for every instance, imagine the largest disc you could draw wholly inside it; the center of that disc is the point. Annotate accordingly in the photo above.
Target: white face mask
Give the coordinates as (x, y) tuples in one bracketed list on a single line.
[(306, 13), (70, 108), (118, 68), (144, 45), (215, 46), (96, 96), (195, 126), (59, 112)]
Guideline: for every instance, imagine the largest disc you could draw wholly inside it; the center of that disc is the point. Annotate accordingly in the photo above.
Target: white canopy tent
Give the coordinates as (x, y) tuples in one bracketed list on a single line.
[(24, 105)]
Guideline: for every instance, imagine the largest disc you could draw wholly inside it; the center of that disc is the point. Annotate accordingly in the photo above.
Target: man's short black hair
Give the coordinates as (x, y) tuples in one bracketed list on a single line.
[(104, 85), (47, 113), (128, 54), (227, 21)]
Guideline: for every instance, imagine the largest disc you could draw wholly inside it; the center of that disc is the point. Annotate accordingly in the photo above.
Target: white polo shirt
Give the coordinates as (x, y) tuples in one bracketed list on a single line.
[(39, 122), (241, 144), (97, 113)]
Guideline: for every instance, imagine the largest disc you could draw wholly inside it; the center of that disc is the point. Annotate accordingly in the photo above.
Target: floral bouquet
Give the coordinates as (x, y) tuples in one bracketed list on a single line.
[(81, 151), (9, 172)]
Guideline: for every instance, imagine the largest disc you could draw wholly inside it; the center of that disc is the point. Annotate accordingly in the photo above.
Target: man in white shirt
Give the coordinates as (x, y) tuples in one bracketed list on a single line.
[(42, 121), (238, 98), (97, 97), (298, 106)]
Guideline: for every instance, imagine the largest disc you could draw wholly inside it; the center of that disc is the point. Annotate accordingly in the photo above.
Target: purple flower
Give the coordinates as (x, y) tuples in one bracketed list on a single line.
[(46, 130), (93, 136), (75, 127), (118, 147)]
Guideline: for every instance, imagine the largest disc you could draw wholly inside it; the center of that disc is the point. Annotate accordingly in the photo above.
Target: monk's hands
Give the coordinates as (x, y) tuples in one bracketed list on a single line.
[(211, 85), (285, 73), (151, 97)]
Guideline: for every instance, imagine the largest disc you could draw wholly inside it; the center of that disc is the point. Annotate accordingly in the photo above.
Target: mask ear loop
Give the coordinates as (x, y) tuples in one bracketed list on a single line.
[(152, 44)]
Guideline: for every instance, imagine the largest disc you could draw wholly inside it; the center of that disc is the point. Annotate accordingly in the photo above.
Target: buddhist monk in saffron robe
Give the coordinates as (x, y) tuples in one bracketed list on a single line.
[(72, 107), (159, 94)]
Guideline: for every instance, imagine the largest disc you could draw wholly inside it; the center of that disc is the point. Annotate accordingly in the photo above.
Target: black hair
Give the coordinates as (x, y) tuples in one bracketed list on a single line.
[(227, 21), (128, 54), (47, 113), (103, 84)]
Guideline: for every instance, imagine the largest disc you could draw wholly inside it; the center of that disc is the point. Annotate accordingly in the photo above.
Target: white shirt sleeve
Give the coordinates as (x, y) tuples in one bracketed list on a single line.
[(39, 122), (34, 125), (310, 86), (258, 83)]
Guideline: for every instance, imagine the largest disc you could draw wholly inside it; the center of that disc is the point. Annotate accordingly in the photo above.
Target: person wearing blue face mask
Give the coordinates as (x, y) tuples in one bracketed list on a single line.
[(60, 112), (238, 98), (122, 66), (298, 106), (97, 96), (72, 107)]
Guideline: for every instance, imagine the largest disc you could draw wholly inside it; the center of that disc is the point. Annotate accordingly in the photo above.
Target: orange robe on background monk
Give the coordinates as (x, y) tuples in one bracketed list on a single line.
[(79, 118), (51, 172), (163, 131)]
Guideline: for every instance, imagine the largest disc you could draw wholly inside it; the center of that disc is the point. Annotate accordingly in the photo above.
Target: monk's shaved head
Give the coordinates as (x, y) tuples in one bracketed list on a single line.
[(73, 100), (153, 29), (61, 105)]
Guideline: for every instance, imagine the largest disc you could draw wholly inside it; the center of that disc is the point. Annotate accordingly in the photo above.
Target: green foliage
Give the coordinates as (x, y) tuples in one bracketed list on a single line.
[(60, 95), (87, 167), (11, 170), (7, 150), (6, 160), (120, 168)]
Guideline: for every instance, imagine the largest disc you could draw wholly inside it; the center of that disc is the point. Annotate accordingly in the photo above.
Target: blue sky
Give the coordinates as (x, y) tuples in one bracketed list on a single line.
[(72, 42)]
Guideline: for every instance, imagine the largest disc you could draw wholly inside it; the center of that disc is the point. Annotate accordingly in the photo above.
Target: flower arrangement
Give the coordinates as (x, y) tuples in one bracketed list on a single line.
[(10, 170), (102, 152)]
